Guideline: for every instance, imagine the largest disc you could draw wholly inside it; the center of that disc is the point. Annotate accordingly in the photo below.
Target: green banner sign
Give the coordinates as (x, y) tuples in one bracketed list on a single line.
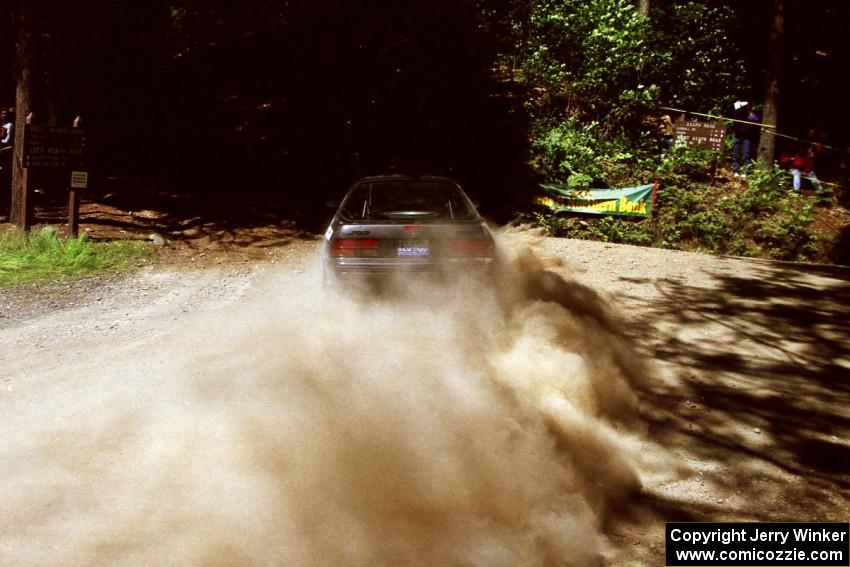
[(626, 201)]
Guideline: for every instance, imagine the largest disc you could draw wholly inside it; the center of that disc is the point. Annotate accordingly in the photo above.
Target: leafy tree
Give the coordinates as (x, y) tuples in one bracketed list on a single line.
[(587, 58), (601, 68), (311, 94), (702, 68)]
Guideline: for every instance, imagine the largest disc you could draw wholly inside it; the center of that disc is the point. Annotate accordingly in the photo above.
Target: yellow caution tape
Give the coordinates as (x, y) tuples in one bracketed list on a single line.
[(719, 117)]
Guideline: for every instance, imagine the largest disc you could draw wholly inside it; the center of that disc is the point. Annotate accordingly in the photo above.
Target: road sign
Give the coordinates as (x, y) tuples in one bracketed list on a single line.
[(54, 146), (79, 179), (706, 135)]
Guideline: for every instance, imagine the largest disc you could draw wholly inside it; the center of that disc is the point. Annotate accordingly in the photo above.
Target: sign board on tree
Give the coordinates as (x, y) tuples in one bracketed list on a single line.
[(705, 135), (54, 146)]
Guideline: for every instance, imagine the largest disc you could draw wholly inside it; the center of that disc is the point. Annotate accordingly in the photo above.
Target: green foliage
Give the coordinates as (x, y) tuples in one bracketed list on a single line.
[(761, 219), (764, 219), (556, 225), (694, 45), (569, 150), (788, 241), (695, 216), (785, 233), (584, 156), (586, 57), (612, 229), (44, 255), (765, 189), (606, 229), (601, 61), (597, 69), (681, 164)]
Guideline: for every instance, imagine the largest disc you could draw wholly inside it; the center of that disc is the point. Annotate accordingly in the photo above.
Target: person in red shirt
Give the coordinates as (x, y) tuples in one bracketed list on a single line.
[(800, 162)]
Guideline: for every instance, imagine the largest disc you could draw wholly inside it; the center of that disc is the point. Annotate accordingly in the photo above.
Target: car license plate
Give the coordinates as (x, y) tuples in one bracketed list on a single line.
[(413, 248)]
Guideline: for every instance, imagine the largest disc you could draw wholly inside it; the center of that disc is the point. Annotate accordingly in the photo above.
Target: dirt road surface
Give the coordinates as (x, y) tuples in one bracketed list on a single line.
[(749, 398)]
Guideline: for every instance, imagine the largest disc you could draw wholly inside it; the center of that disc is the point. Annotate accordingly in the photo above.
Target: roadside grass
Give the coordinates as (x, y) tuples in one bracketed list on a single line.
[(46, 256)]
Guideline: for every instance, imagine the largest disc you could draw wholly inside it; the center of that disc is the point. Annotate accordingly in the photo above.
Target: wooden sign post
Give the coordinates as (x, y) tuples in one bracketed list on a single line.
[(79, 180), (59, 147), (705, 135)]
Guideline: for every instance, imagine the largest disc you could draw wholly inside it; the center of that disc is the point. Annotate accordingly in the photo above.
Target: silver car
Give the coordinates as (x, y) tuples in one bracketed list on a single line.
[(409, 224)]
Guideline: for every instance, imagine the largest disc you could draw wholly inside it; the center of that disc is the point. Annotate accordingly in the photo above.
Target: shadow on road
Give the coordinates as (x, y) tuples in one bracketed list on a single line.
[(191, 220), (764, 391)]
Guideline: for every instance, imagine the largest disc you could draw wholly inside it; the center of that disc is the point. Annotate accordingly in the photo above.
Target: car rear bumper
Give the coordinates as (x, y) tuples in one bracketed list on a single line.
[(365, 267)]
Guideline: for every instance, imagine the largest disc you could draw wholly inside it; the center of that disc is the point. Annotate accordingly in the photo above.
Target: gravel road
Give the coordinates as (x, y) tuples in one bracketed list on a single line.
[(749, 396)]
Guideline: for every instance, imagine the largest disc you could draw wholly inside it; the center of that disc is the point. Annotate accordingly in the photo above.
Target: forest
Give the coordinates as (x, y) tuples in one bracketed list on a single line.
[(290, 101)]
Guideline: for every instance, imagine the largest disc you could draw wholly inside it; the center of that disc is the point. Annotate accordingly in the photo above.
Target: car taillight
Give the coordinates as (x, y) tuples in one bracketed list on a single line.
[(472, 247), (354, 247)]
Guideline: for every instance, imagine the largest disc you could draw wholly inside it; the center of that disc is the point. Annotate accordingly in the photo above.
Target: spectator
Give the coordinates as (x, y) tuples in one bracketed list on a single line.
[(666, 131), (800, 161), (7, 125), (6, 139), (745, 133)]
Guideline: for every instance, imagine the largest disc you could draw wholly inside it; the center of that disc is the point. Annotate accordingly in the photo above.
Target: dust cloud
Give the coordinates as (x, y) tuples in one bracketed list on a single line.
[(484, 423)]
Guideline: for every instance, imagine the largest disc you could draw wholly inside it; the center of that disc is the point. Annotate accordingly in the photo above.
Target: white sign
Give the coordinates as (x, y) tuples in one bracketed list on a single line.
[(79, 179)]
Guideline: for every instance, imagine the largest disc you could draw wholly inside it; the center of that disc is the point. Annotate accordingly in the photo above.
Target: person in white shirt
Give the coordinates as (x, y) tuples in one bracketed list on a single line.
[(6, 140), (7, 126)]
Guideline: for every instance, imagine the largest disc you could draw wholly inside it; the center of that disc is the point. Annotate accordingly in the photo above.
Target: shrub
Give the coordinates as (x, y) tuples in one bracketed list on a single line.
[(785, 233), (765, 189), (569, 150), (763, 219)]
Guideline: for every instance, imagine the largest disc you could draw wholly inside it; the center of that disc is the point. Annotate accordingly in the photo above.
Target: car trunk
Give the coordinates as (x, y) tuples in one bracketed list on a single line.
[(411, 243)]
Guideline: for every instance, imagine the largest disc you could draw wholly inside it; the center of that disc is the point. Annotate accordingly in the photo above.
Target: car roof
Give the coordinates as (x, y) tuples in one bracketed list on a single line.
[(400, 177)]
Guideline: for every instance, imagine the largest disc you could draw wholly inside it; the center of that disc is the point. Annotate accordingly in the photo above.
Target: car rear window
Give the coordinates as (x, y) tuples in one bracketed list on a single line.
[(406, 200)]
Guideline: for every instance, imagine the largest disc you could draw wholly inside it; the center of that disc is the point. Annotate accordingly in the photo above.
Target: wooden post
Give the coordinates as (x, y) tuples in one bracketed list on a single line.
[(73, 212), (25, 43), (74, 199), (25, 210), (714, 160)]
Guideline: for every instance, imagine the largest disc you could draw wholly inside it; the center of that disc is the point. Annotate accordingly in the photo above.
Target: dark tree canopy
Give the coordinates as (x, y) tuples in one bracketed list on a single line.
[(298, 98)]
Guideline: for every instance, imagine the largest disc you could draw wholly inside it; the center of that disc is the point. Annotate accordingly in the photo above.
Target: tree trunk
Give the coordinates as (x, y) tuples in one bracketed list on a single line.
[(643, 7), (770, 114), (18, 214)]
